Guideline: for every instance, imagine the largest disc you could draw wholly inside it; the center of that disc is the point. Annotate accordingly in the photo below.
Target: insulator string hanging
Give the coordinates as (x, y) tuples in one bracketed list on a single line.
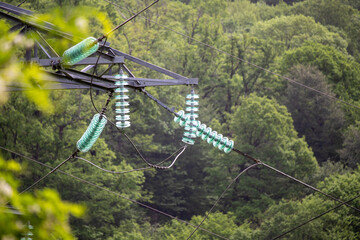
[(122, 117), (92, 133), (191, 109), (206, 133)]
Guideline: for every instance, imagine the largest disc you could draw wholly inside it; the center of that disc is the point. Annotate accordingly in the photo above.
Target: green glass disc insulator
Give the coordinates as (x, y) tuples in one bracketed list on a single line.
[(188, 140), (121, 76), (121, 83), (206, 133), (229, 146), (121, 97), (179, 116), (80, 51), (223, 143), (121, 90), (191, 129), (189, 135), (92, 133), (192, 103), (192, 109), (211, 137), (194, 123), (123, 124), (122, 110), (200, 129), (217, 140), (192, 96), (121, 104), (122, 117), (192, 116), (182, 122)]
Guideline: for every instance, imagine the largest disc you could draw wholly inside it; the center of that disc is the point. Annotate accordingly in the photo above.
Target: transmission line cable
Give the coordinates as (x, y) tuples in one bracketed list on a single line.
[(73, 155), (139, 169), (114, 193), (316, 217), (93, 74), (49, 173), (243, 60), (91, 97), (221, 196), (143, 158), (257, 160), (293, 178), (21, 3)]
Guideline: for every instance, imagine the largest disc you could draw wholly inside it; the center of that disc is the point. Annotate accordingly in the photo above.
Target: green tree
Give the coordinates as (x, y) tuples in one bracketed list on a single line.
[(342, 223), (45, 211), (340, 69), (336, 13), (288, 32), (350, 152), (316, 117), (263, 129)]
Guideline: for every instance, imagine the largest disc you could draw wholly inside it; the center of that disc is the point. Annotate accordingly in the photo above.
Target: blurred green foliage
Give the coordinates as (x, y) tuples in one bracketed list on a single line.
[(315, 42)]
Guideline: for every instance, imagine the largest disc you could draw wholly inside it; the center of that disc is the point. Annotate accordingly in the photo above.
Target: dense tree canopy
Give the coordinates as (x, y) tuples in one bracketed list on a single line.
[(247, 55)]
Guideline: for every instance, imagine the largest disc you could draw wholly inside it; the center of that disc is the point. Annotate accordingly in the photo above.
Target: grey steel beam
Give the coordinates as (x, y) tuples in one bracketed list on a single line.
[(148, 65), (87, 61), (15, 10)]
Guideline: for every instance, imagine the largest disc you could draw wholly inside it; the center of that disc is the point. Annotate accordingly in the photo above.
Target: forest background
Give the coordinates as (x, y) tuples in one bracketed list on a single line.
[(301, 132)]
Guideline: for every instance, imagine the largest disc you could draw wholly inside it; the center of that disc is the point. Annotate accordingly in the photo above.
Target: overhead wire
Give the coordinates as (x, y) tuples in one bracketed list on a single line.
[(144, 159), (316, 217), (243, 60), (49, 173), (218, 199), (73, 155), (138, 169), (293, 178), (114, 193), (258, 161), (21, 3), (105, 36)]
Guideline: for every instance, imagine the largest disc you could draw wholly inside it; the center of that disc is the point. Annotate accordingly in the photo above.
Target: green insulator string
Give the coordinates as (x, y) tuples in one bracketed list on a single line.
[(80, 51), (191, 109), (92, 133), (122, 117), (205, 133)]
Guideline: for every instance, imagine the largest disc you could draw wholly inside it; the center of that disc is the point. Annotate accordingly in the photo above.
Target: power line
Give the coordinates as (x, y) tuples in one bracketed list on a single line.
[(222, 194), (293, 178), (138, 169), (49, 173), (258, 161), (128, 20), (142, 157), (115, 193), (243, 60), (316, 217), (21, 3)]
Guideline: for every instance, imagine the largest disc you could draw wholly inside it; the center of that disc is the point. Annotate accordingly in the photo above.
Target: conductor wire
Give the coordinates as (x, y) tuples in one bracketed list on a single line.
[(115, 193), (293, 178), (245, 61), (49, 173), (222, 194), (133, 170), (316, 217), (142, 157)]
